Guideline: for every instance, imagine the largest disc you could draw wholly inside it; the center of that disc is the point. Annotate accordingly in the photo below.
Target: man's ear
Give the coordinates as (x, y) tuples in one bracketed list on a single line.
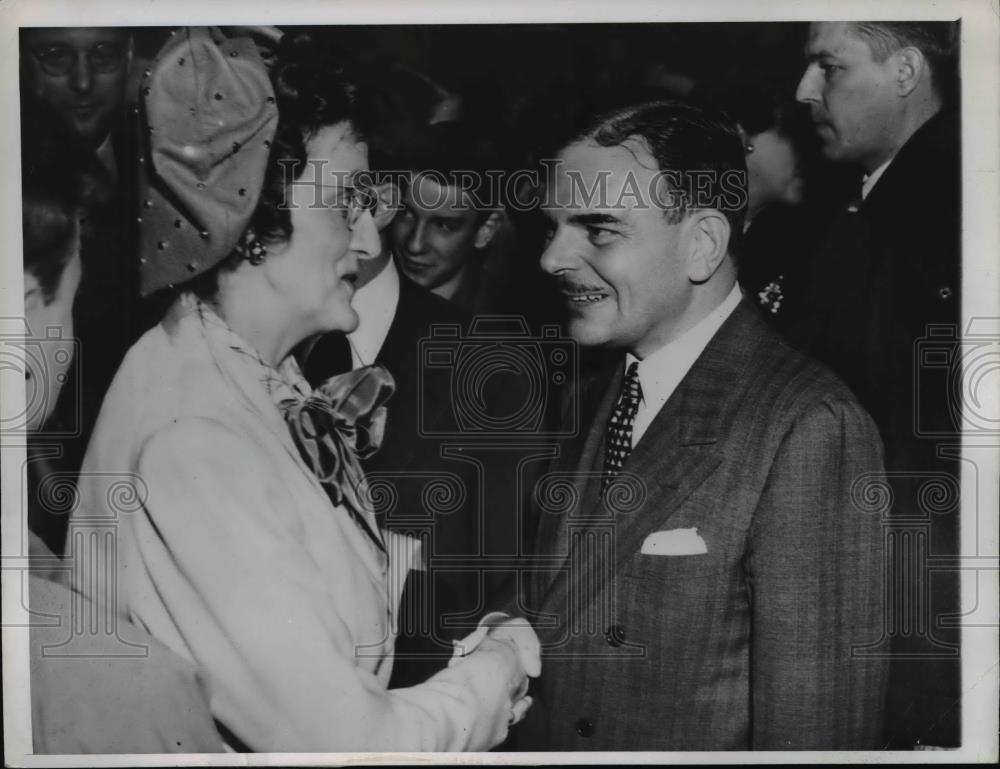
[(389, 202), (911, 67), (708, 243), (488, 229)]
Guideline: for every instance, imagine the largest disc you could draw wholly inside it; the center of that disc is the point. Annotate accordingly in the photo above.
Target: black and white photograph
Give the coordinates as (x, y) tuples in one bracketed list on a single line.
[(500, 382)]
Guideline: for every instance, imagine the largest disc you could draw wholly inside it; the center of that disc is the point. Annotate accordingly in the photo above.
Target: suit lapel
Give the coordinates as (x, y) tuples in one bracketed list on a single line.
[(400, 355), (678, 450), (575, 463)]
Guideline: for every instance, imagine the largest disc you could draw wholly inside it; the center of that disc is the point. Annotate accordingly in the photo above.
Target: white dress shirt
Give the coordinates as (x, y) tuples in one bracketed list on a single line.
[(869, 181), (375, 302), (661, 371)]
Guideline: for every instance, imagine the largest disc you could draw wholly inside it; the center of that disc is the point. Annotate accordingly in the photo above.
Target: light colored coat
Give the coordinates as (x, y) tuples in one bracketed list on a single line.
[(232, 554)]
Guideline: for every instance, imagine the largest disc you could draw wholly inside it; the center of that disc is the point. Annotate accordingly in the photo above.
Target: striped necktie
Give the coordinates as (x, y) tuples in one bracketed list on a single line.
[(618, 443)]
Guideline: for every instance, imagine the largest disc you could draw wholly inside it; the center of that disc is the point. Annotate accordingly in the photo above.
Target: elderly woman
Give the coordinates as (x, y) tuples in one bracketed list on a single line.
[(251, 546)]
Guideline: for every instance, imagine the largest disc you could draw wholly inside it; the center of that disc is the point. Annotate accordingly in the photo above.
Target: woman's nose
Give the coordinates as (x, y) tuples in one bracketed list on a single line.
[(365, 241)]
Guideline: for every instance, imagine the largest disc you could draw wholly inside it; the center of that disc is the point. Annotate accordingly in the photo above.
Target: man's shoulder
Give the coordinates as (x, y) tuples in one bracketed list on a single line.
[(929, 162), (765, 378), (418, 303), (780, 366)]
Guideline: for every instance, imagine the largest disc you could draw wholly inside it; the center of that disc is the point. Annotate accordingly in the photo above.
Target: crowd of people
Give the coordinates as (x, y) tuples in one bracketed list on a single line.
[(319, 504)]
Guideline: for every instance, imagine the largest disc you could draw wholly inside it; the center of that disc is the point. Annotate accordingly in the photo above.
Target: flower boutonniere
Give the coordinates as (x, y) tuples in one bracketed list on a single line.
[(772, 296)]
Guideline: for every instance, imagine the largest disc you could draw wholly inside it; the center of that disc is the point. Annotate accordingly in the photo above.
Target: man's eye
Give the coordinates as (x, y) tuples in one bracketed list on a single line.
[(829, 70), (599, 236), (56, 55), (548, 233), (106, 54)]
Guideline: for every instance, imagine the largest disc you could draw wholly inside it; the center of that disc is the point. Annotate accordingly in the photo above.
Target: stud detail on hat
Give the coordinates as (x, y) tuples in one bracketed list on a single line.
[(147, 204), (178, 223), (181, 61), (192, 266), (236, 146), (203, 234), (243, 192), (162, 245), (218, 97)]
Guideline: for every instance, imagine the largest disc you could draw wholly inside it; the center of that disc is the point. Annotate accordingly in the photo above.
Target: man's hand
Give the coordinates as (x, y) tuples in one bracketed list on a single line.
[(497, 631)]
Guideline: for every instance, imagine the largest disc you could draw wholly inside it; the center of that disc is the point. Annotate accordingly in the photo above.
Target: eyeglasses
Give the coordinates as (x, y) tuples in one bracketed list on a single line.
[(358, 200), (58, 60)]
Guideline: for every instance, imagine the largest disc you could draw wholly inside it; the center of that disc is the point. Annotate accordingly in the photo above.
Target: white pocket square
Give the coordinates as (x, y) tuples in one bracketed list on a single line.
[(674, 542)]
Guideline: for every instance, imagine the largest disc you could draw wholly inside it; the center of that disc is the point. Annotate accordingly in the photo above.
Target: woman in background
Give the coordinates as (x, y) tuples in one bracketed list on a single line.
[(774, 257), (252, 547)]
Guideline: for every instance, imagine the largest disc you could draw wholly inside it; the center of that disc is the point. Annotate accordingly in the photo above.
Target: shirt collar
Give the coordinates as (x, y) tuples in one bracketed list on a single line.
[(661, 371), (869, 180)]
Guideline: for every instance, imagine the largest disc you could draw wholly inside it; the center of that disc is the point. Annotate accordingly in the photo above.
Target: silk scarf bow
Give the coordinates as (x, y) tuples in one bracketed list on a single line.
[(342, 422)]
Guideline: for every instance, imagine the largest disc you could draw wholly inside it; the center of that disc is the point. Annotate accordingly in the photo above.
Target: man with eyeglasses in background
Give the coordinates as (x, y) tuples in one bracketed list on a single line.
[(79, 75), (73, 95)]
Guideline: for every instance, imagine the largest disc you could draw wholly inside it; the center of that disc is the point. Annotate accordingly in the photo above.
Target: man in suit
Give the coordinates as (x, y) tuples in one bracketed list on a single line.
[(704, 579), (882, 97)]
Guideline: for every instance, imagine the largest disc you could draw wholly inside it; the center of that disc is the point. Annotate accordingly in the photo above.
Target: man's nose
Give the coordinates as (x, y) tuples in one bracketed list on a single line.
[(416, 238), (365, 242), (809, 85), (557, 257), (81, 77)]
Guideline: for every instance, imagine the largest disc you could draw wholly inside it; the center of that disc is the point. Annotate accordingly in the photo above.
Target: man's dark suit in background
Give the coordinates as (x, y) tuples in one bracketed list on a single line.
[(884, 312)]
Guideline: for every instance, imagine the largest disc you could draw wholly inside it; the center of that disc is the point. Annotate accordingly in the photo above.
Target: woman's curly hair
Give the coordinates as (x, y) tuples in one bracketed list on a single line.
[(314, 87)]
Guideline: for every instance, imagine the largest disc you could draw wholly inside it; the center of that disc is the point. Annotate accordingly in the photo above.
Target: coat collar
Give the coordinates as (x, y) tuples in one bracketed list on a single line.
[(675, 455)]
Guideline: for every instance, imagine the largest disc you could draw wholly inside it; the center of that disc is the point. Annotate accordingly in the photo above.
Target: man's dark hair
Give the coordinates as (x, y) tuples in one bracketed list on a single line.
[(697, 148), (59, 187), (936, 40), (455, 154)]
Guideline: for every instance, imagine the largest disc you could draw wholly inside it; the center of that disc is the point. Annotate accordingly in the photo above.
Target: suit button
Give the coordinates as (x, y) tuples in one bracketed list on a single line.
[(615, 635), (584, 727), (945, 292)]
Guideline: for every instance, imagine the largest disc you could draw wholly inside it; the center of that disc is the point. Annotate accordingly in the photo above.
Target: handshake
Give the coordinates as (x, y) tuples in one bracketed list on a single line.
[(518, 652)]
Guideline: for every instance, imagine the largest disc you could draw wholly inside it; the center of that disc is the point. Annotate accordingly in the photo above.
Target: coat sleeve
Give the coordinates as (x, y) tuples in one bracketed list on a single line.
[(219, 542), (815, 572)]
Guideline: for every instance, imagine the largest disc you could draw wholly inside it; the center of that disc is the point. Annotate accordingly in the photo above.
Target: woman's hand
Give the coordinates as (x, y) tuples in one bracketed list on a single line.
[(506, 637)]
